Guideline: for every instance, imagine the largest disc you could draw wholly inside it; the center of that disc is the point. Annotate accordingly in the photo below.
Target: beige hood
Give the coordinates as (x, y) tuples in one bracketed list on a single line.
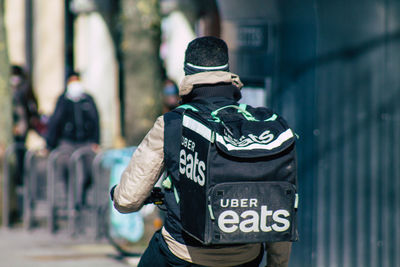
[(210, 77)]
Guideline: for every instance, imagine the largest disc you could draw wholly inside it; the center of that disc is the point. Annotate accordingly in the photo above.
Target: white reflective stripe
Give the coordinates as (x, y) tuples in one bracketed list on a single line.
[(197, 127), (283, 137), (211, 212), (296, 201), (207, 68)]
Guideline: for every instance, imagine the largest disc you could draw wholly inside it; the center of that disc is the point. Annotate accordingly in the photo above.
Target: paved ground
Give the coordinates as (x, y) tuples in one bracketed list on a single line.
[(19, 248)]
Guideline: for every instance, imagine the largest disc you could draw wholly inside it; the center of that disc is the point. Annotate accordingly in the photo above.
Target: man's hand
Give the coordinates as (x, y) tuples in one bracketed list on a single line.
[(44, 152), (96, 148)]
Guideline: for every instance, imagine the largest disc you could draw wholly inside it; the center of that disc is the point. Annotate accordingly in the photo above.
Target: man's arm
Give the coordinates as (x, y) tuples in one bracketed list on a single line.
[(143, 171)]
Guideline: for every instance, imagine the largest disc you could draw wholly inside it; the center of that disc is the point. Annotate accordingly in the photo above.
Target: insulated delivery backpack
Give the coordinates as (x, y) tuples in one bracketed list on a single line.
[(237, 175)]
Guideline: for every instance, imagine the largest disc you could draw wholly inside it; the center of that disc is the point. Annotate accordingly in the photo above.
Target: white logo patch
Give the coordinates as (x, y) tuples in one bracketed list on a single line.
[(229, 221)]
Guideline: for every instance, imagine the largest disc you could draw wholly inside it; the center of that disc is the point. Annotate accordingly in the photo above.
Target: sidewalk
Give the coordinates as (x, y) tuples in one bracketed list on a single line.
[(38, 248)]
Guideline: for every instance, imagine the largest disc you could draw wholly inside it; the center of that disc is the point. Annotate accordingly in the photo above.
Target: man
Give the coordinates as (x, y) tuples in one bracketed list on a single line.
[(207, 80), (25, 117), (75, 120), (75, 124)]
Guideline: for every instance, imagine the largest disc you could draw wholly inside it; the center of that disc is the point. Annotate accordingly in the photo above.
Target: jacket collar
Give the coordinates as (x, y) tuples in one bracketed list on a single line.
[(208, 92), (208, 78)]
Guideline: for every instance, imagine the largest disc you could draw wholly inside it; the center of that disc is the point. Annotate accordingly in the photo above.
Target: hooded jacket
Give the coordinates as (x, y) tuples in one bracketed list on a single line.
[(73, 121), (150, 160)]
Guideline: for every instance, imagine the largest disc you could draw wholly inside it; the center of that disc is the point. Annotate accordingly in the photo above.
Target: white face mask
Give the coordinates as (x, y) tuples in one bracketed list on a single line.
[(15, 80), (75, 91)]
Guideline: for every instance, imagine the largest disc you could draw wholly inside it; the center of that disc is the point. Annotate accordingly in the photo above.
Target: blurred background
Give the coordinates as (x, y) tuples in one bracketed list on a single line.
[(331, 68)]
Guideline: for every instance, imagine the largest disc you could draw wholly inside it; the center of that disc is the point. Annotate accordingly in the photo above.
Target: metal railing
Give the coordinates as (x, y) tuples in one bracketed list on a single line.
[(56, 208), (102, 167), (34, 197), (53, 189), (101, 208)]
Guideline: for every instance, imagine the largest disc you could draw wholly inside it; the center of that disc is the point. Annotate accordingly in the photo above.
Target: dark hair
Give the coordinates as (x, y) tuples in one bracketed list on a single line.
[(74, 73), (207, 51), (69, 71), (17, 70)]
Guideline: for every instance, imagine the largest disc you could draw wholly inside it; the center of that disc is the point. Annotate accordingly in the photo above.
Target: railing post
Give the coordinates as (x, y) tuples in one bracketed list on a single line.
[(51, 182), (96, 170), (27, 198)]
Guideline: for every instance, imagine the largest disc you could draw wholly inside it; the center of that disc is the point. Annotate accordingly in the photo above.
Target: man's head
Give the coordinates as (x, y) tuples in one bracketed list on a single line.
[(206, 54), (170, 96), (75, 88), (73, 76), (17, 75)]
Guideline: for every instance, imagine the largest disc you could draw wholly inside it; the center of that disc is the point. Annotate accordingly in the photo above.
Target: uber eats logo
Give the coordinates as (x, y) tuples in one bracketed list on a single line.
[(189, 163), (260, 218)]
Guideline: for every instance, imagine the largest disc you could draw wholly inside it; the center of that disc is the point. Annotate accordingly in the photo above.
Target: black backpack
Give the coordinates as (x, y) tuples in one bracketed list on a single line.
[(237, 175)]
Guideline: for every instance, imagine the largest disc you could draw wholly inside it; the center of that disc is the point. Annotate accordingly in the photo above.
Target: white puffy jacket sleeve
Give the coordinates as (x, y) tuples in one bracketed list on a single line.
[(143, 171)]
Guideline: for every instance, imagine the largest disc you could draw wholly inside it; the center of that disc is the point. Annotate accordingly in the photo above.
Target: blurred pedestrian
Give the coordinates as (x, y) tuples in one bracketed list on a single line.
[(170, 96), (25, 114), (74, 124), (25, 117)]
